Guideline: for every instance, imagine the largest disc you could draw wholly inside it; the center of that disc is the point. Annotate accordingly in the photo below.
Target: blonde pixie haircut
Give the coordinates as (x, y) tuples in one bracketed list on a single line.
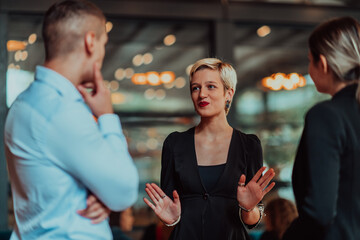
[(226, 71)]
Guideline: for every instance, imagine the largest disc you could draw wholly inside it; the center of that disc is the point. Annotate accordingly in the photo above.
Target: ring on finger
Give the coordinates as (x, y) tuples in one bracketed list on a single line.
[(241, 184), (163, 196)]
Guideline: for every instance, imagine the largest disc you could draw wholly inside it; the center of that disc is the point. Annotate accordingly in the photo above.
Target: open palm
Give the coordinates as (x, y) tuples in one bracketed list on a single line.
[(164, 207), (250, 195)]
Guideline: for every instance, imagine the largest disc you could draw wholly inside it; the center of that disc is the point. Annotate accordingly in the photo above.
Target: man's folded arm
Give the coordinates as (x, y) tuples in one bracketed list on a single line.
[(96, 154)]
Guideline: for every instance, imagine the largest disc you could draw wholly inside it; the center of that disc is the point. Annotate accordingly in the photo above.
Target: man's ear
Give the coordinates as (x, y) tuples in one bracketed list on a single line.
[(324, 63), (90, 42)]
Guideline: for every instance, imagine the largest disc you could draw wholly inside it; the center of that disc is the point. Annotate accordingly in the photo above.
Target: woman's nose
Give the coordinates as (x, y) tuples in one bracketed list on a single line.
[(203, 93)]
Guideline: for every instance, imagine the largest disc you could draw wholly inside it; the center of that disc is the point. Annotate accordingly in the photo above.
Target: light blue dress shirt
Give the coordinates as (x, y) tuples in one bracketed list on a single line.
[(56, 154)]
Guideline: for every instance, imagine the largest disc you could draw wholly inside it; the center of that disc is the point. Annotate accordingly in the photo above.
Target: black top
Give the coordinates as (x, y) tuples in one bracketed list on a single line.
[(210, 175), (268, 235), (212, 214), (326, 177)]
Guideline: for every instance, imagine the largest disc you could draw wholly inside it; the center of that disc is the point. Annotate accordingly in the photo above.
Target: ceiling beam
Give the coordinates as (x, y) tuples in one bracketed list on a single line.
[(234, 11)]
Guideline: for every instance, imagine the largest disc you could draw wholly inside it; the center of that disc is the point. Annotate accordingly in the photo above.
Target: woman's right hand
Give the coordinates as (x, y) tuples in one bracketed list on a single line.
[(165, 208)]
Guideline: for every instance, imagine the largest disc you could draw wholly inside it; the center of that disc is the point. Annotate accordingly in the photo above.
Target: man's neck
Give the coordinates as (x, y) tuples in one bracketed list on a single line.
[(68, 68)]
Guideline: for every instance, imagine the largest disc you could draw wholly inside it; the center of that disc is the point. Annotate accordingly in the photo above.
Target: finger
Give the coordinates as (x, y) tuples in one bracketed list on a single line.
[(242, 180), (149, 203), (258, 174), (152, 197), (268, 178), (100, 219), (93, 211), (88, 85), (94, 214), (93, 208), (90, 200), (154, 192), (84, 93), (158, 190), (265, 176), (266, 190), (176, 197), (98, 79), (81, 212)]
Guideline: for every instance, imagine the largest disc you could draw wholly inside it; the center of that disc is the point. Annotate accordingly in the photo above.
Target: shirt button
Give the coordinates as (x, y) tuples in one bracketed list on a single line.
[(206, 196)]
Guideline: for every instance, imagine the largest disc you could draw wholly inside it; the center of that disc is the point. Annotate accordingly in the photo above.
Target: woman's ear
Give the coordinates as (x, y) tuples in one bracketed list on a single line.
[(229, 94), (89, 42), (324, 64)]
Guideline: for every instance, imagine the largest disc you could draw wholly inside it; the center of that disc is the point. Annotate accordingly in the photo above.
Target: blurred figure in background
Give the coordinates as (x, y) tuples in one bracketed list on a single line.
[(122, 222), (280, 213), (326, 179)]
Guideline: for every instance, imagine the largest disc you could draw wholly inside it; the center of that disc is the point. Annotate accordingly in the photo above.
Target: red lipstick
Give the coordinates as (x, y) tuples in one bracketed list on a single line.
[(203, 104)]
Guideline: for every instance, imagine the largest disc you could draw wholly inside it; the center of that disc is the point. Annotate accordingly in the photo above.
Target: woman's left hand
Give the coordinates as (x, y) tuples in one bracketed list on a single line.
[(95, 210), (248, 196)]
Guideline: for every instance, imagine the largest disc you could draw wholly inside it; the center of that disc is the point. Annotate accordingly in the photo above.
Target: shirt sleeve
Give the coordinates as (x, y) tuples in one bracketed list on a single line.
[(167, 179), (94, 153)]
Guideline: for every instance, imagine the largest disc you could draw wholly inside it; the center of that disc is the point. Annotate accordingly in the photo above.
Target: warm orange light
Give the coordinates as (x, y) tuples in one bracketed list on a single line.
[(119, 74), (32, 38), (139, 78), (180, 82), (167, 77), (267, 82), (288, 84), (160, 94), (169, 40), (129, 72), (263, 31), (117, 98), (147, 58), (278, 81), (108, 26), (138, 60), (114, 85), (153, 78), (13, 45), (302, 82)]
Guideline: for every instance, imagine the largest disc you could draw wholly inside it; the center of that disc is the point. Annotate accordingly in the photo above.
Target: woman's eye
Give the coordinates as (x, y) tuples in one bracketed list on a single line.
[(211, 86), (194, 88)]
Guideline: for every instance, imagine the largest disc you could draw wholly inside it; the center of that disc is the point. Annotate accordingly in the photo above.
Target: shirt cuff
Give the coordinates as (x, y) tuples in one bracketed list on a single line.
[(109, 123)]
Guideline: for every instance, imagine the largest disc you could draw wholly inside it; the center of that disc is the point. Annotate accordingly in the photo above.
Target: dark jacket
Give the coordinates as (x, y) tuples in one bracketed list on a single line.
[(326, 174), (205, 214)]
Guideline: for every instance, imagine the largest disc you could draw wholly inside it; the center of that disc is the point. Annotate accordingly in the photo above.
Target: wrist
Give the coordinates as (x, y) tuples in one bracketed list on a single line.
[(246, 209), (174, 223)]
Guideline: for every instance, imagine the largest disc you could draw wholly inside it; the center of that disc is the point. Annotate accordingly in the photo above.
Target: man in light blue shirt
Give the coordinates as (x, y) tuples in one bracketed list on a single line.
[(57, 153)]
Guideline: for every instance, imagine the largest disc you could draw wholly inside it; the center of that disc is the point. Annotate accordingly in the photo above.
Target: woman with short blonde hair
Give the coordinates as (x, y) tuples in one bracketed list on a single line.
[(211, 183)]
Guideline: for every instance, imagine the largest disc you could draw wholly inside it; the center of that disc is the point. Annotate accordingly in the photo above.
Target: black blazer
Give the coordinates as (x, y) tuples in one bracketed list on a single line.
[(326, 174), (205, 214)]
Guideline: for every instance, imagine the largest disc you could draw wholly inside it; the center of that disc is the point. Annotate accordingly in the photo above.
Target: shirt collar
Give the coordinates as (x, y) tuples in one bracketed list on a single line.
[(63, 85)]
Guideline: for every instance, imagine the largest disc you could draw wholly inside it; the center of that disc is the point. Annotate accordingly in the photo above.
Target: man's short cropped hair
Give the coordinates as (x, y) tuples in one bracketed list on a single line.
[(65, 23)]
